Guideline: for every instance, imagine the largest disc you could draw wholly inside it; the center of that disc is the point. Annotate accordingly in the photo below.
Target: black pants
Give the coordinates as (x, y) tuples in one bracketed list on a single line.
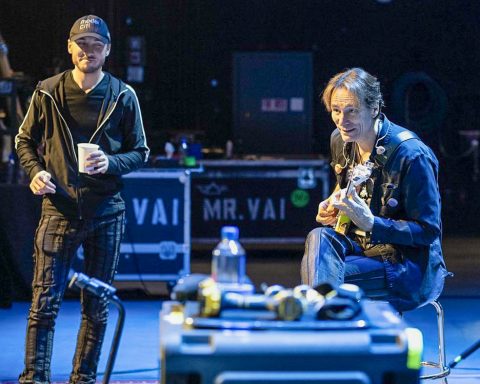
[(56, 242)]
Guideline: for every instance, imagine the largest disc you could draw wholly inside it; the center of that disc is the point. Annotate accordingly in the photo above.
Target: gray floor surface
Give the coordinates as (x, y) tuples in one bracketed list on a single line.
[(138, 354)]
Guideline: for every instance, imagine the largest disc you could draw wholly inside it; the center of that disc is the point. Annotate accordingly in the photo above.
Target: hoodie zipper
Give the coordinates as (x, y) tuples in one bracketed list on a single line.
[(78, 189), (107, 116), (65, 122)]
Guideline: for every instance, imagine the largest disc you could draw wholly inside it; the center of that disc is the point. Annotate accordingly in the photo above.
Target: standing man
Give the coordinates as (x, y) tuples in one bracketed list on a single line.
[(77, 106), (392, 248)]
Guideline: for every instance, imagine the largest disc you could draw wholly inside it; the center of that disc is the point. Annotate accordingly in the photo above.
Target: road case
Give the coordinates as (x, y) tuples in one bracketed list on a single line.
[(375, 347), (273, 202), (156, 243)]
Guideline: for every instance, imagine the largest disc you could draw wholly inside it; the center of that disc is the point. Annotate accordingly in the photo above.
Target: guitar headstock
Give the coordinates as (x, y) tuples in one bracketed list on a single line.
[(359, 174)]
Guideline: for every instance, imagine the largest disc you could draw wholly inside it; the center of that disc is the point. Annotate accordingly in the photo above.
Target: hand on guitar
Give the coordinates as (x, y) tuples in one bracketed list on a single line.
[(327, 213), (355, 208)]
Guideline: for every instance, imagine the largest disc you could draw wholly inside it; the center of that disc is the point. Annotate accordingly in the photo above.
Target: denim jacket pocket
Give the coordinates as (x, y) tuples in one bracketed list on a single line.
[(390, 199)]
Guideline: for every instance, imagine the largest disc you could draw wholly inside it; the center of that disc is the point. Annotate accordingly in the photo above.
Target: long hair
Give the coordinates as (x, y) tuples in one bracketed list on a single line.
[(358, 81)]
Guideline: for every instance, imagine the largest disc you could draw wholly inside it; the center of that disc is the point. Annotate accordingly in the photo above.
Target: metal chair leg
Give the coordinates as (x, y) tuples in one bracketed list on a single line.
[(443, 369)]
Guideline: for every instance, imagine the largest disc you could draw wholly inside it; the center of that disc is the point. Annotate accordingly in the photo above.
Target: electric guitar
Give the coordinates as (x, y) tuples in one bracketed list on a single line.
[(356, 176)]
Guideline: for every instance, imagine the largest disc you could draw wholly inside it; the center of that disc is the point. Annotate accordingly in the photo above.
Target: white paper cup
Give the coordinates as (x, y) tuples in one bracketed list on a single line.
[(84, 149)]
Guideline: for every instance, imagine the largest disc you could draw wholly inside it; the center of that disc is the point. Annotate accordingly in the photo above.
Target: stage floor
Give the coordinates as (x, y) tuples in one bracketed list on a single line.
[(137, 359)]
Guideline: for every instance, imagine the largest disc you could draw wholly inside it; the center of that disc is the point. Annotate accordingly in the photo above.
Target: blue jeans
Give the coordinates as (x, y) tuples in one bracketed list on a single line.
[(333, 258), (56, 242)]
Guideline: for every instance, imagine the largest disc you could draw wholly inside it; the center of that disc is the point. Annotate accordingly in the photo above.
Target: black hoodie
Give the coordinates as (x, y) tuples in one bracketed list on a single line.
[(44, 142)]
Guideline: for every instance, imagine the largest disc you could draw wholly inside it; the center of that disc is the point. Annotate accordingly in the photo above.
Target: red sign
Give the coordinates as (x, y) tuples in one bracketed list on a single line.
[(274, 105)]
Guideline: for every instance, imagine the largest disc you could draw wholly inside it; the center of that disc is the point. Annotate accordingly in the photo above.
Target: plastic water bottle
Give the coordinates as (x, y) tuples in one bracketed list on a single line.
[(228, 262)]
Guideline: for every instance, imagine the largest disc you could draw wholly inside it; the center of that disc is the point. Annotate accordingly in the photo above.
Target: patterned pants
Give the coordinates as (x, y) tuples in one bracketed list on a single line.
[(56, 242)]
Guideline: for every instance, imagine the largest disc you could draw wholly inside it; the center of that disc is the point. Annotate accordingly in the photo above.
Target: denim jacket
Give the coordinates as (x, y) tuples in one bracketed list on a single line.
[(406, 205)]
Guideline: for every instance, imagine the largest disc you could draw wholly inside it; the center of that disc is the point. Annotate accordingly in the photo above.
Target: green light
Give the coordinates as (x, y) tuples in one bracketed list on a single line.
[(299, 198), (415, 348)]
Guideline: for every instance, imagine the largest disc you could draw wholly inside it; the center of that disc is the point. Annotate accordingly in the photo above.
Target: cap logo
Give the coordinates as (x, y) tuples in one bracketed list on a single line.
[(85, 24), (90, 24)]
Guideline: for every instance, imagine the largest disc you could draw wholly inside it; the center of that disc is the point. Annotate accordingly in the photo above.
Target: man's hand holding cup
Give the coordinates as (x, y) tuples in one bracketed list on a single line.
[(91, 159)]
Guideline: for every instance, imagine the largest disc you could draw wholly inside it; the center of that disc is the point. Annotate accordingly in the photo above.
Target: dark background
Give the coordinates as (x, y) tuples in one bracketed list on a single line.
[(189, 43), (426, 53)]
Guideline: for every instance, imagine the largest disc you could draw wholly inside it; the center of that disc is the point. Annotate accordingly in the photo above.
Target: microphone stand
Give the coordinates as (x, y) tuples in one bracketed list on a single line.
[(462, 356), (116, 338), (103, 290)]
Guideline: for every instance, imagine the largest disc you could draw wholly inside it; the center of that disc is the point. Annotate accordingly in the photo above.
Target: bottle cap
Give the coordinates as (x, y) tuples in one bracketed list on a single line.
[(230, 233)]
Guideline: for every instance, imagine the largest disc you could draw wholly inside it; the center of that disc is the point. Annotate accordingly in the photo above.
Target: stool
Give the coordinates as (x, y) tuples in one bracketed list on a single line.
[(443, 369)]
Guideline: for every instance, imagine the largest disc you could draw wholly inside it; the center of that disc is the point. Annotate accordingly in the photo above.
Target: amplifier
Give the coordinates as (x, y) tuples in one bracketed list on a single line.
[(376, 347)]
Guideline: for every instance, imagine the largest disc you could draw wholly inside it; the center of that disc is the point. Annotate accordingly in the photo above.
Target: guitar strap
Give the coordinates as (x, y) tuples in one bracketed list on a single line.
[(391, 144)]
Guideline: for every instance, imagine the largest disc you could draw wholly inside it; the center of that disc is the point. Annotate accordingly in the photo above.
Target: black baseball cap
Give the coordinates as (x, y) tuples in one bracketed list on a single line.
[(90, 25)]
